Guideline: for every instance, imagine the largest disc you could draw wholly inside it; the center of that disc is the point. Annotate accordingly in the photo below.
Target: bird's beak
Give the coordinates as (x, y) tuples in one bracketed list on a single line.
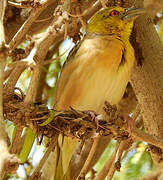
[(132, 13)]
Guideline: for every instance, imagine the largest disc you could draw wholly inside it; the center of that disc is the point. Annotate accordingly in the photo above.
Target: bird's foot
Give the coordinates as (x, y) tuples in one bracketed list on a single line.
[(129, 125)]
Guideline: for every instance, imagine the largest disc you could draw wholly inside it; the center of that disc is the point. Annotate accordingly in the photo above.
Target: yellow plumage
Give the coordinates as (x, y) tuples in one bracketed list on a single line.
[(95, 75), (97, 71)]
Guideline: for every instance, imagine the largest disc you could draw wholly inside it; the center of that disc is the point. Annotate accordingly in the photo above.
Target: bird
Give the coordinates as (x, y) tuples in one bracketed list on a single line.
[(97, 70)]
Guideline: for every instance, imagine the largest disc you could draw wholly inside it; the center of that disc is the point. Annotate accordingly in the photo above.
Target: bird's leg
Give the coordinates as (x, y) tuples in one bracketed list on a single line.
[(122, 121), (130, 124), (113, 115), (94, 116), (134, 120)]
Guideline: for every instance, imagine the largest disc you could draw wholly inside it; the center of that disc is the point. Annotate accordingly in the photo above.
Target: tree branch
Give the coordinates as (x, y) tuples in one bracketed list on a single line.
[(147, 80), (36, 11), (90, 157), (153, 6), (8, 162), (108, 166)]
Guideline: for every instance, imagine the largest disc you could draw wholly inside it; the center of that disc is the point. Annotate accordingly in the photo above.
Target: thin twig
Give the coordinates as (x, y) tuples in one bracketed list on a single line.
[(45, 157), (12, 66), (142, 136), (75, 15), (136, 113), (66, 5), (90, 157), (27, 24), (19, 5), (103, 2), (14, 76), (2, 31), (103, 173), (16, 140), (90, 11), (122, 147), (42, 20), (153, 6), (53, 59)]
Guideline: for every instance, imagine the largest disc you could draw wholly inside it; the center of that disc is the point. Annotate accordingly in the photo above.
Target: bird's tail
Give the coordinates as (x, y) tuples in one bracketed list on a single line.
[(58, 163), (67, 146)]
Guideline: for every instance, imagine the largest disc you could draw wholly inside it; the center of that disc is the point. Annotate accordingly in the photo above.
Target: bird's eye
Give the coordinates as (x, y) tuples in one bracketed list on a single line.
[(114, 13)]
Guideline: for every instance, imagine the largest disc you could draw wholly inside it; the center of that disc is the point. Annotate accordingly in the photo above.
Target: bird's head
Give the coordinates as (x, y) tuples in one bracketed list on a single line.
[(115, 21)]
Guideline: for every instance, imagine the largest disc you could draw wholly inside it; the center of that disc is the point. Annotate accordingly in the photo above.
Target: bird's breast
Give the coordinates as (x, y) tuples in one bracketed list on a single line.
[(92, 76)]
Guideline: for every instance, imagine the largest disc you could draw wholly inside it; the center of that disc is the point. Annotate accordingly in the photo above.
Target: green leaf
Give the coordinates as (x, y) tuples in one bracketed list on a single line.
[(51, 116), (29, 140)]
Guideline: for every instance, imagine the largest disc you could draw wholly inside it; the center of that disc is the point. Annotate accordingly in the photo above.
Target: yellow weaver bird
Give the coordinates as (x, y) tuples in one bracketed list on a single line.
[(97, 70)]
